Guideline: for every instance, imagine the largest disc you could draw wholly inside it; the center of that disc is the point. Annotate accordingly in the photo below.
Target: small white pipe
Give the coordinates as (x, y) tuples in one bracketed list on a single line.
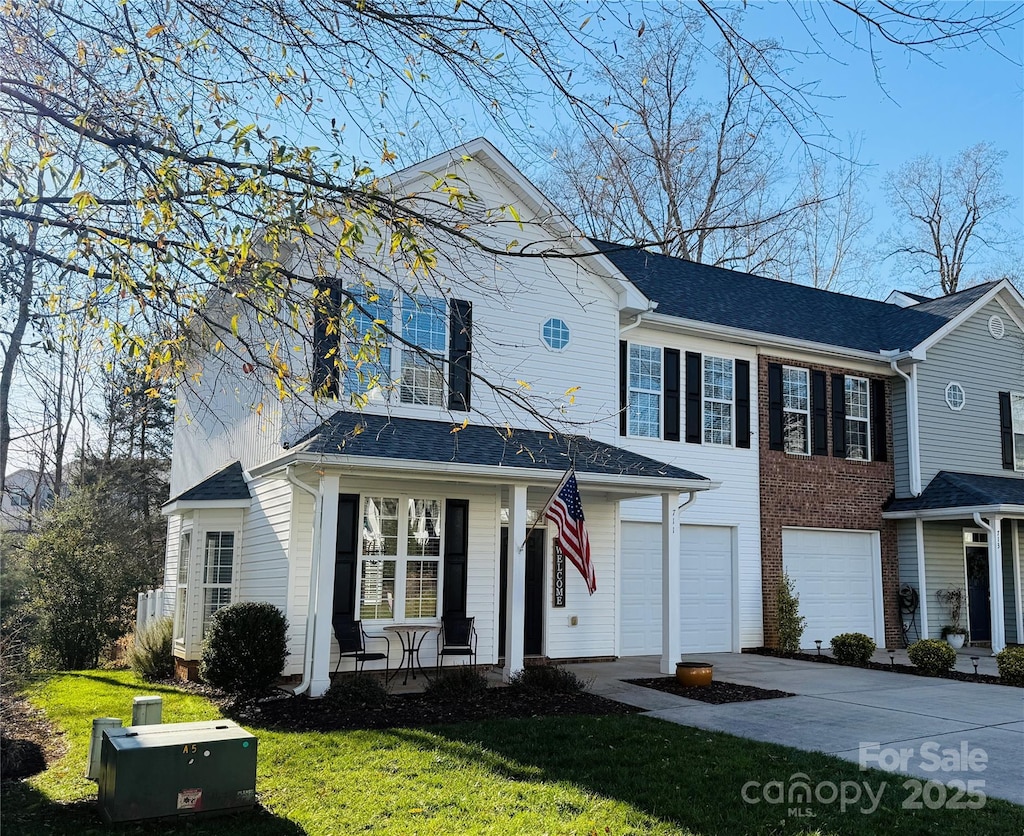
[(913, 437), (314, 565)]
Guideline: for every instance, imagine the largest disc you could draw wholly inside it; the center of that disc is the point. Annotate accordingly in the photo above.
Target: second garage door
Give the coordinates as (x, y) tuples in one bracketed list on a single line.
[(838, 576), (706, 589)]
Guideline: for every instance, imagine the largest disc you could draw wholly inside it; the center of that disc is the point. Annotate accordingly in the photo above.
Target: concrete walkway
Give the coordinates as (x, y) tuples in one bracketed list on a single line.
[(901, 722)]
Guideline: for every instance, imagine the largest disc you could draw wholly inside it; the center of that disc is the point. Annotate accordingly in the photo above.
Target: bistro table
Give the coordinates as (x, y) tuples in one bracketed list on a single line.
[(411, 637)]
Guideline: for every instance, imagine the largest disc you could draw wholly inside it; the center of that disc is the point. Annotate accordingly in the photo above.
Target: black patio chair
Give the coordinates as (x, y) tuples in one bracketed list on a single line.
[(352, 645), (457, 638)]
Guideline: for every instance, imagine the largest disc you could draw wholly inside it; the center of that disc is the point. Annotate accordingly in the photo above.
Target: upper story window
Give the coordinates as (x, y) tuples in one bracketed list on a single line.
[(424, 326), (858, 412), (796, 407), (955, 397), (555, 334), (1017, 410), (1011, 424), (400, 557), (718, 400), (645, 373), (371, 318)]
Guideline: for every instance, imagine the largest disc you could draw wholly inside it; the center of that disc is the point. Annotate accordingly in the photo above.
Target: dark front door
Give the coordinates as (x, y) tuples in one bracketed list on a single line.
[(533, 629), (978, 601)]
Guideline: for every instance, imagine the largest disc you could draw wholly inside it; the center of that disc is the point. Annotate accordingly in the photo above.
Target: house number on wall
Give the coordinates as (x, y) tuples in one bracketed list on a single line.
[(558, 581)]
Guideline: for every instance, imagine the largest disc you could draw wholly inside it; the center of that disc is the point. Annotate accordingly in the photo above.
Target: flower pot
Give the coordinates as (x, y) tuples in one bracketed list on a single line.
[(956, 640), (693, 674)]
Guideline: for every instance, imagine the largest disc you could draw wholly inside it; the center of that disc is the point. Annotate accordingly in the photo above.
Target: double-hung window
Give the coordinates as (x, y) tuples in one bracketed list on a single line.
[(218, 571), (368, 365), (400, 556), (424, 330), (1017, 419), (644, 414), (796, 410), (181, 593), (718, 400), (858, 415)]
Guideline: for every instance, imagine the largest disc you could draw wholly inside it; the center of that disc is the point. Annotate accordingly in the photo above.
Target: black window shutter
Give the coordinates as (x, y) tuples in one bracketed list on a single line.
[(839, 416), (324, 371), (1006, 429), (879, 439), (819, 414), (743, 403), (776, 438), (456, 557), (460, 346), (623, 385), (693, 397), (346, 557), (670, 372)]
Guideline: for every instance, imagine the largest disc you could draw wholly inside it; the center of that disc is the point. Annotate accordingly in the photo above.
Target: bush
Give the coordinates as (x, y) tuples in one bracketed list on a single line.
[(932, 655), (245, 649), (1010, 662), (547, 679), (791, 623), (459, 683), (853, 648), (357, 691), (152, 656)]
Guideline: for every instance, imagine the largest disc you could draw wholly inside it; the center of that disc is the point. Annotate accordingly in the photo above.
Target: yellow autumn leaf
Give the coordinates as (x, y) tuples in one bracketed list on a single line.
[(155, 30), (523, 384)]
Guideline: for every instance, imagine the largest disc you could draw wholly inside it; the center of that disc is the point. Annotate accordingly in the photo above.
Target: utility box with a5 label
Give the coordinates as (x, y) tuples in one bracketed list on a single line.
[(176, 769)]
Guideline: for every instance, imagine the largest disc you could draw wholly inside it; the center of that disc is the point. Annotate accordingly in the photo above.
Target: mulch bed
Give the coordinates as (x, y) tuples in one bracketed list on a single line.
[(717, 693), (27, 740), (419, 710), (987, 679)]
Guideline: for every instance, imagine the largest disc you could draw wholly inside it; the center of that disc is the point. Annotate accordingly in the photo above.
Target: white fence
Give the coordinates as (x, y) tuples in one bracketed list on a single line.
[(151, 607)]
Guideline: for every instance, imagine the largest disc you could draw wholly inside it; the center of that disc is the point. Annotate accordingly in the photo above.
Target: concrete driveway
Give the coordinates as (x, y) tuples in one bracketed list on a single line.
[(903, 723)]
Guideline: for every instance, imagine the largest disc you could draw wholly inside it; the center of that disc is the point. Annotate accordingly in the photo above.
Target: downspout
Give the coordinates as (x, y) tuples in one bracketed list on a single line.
[(314, 566), (690, 499), (638, 320), (913, 435)]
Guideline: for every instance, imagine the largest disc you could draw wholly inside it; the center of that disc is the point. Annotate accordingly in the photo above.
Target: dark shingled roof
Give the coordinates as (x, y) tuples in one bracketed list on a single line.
[(714, 295), (411, 439), (963, 490), (226, 483)]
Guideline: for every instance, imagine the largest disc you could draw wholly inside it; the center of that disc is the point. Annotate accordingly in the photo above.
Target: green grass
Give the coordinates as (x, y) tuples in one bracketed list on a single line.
[(587, 775)]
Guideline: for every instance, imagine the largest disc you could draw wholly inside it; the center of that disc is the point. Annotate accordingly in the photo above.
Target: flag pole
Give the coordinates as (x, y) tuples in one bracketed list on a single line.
[(544, 508)]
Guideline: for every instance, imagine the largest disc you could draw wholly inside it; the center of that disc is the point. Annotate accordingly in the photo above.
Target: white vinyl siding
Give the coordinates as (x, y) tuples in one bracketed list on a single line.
[(645, 374), (718, 400), (796, 410), (858, 419)]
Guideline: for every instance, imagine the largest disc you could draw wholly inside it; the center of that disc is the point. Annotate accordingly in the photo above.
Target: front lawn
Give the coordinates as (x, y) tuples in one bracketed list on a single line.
[(556, 775)]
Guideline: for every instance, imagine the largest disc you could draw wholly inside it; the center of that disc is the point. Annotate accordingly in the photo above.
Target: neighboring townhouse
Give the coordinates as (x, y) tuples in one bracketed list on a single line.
[(958, 414), (723, 428), (27, 493)]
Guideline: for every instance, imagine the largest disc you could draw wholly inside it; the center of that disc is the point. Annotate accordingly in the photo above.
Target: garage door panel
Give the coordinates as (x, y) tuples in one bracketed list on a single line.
[(837, 576)]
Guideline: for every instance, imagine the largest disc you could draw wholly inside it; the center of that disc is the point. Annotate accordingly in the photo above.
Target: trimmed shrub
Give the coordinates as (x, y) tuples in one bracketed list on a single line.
[(245, 649), (1010, 662), (853, 648), (547, 679), (458, 683), (152, 656), (355, 691), (932, 655), (791, 623)]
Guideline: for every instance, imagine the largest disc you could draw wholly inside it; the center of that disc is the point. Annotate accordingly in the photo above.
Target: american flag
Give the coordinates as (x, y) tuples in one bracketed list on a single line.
[(566, 511)]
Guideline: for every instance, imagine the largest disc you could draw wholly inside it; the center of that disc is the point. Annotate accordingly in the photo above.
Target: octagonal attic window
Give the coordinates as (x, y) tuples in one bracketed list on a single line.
[(555, 334), (955, 398)]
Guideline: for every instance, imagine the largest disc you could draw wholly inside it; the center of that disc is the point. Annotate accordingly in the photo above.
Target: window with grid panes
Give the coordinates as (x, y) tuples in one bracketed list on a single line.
[(218, 571), (858, 414), (718, 400), (425, 326), (796, 410), (644, 413)]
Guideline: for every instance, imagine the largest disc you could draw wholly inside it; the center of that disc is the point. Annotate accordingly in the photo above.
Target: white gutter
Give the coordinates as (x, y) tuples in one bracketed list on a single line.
[(314, 564), (913, 434), (956, 512), (638, 320)]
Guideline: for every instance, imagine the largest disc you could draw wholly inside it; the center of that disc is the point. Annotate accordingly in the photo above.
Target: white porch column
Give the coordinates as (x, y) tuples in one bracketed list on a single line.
[(515, 582), (670, 638), (319, 620), (995, 583), (1017, 596), (922, 592)]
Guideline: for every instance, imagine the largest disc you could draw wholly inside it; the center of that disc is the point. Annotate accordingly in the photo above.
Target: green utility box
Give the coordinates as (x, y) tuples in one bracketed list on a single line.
[(176, 769)]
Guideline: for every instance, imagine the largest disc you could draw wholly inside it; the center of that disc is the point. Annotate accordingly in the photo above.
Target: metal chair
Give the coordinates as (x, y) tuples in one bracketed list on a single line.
[(352, 644), (457, 638)]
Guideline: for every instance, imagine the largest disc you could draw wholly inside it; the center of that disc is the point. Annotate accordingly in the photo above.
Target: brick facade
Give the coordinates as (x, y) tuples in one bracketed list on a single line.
[(823, 492)]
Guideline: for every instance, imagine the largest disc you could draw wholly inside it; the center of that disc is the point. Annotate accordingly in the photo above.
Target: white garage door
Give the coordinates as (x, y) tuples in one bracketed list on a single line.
[(838, 576), (706, 612)]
